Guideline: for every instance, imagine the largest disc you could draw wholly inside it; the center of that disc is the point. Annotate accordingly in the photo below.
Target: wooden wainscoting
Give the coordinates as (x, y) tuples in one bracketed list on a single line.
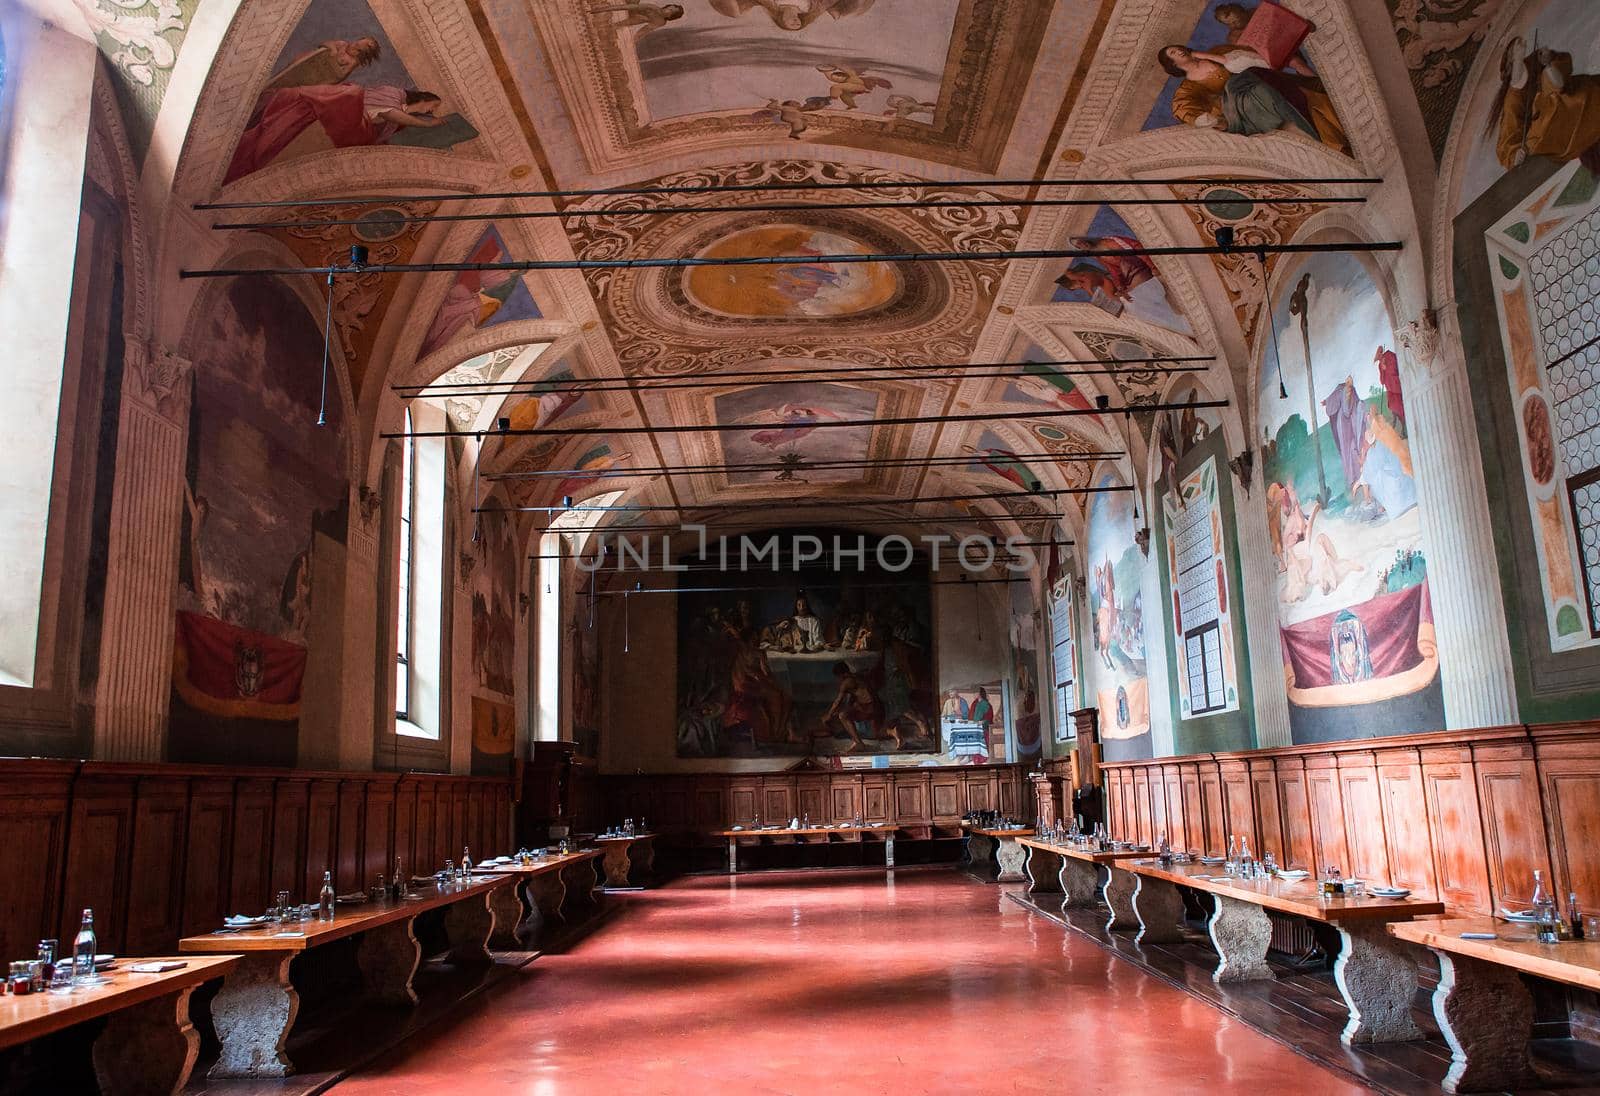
[(162, 851), (921, 802), (1464, 816)]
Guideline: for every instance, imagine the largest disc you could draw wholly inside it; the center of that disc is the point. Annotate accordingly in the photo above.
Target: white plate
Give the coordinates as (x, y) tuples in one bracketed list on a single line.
[(1524, 918), (1389, 892), (1293, 874), (243, 922)]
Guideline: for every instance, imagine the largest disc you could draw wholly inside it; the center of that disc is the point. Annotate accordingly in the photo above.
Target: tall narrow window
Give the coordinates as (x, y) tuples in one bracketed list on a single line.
[(407, 585)]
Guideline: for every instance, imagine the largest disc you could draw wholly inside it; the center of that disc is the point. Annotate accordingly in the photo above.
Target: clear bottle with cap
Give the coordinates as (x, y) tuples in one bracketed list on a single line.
[(83, 953), (466, 863), (325, 898)]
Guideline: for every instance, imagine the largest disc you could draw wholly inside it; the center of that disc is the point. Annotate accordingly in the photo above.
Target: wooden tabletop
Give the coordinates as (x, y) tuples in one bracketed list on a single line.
[(538, 867), (997, 834), (785, 831), (1299, 897), (1083, 852), (347, 921), (26, 1018), (1575, 962)]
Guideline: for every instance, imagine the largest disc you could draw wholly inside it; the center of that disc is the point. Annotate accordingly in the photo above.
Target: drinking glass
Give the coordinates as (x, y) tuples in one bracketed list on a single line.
[(61, 979), (285, 910)]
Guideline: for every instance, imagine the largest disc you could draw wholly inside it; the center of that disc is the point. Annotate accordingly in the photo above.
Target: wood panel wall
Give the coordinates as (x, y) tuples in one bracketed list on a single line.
[(162, 851), (1464, 816), (921, 802)]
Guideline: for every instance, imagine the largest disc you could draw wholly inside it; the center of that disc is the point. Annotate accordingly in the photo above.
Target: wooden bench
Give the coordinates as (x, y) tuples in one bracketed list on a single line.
[(1080, 874), (148, 1044), (628, 860), (558, 890), (1375, 973), (1484, 1011), (807, 835), (257, 1005), (994, 855)]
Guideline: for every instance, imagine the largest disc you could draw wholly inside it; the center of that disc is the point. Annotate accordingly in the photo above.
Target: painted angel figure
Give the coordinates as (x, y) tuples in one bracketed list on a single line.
[(845, 83), (791, 113), (908, 107), (792, 16), (798, 420), (647, 17)]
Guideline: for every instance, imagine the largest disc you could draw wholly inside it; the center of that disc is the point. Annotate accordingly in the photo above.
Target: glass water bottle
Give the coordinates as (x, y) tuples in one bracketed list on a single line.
[(84, 948), (325, 899)]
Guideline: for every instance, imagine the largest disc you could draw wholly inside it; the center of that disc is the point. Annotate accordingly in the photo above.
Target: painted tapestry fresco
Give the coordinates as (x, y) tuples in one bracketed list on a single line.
[(340, 83), (1546, 102), (265, 500), (494, 595), (1244, 70), (1116, 281), (1116, 663), (1027, 716), (844, 666), (1352, 587), (1206, 672), (796, 440)]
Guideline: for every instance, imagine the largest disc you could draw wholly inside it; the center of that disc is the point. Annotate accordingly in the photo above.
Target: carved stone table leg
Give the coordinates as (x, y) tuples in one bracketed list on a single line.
[(888, 851), (253, 1013), (1044, 871), (1486, 1016), (617, 862), (980, 854), (733, 856), (388, 957), (1159, 907), (580, 880), (510, 923), (547, 894), (1118, 896), (1009, 859), (1241, 932), (468, 924), (644, 859), (1080, 882), (149, 1049), (1377, 975)]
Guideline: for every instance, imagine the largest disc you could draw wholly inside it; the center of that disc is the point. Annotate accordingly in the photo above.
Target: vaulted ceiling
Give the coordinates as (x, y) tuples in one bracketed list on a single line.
[(410, 103)]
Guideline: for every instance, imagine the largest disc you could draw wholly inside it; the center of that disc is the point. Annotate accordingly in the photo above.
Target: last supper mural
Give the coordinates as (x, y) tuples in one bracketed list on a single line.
[(771, 666), (1342, 513)]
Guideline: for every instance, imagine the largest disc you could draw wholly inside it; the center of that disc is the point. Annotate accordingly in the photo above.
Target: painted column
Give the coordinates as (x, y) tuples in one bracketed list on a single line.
[(1259, 570), (135, 682), (1463, 582)]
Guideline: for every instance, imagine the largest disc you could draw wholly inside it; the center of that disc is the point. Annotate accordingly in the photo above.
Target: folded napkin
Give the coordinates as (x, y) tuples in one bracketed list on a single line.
[(158, 968)]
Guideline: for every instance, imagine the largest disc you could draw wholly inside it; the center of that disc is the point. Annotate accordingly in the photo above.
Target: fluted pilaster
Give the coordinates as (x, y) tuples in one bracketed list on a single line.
[(1463, 581), (1263, 641), (132, 694)]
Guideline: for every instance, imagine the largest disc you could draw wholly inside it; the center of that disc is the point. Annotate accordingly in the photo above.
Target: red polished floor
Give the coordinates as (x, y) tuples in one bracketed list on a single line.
[(837, 983)]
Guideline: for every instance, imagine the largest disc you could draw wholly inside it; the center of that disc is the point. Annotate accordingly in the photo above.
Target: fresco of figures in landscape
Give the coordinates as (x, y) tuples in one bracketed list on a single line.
[(1114, 666), (1244, 70), (1027, 715), (1544, 102), (265, 498), (796, 442), (786, 670), (1342, 516), (494, 595), (1115, 281), (583, 647), (340, 83)]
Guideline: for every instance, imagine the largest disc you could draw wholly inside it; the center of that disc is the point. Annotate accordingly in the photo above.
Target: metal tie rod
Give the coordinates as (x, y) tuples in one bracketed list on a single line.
[(757, 188), (791, 260)]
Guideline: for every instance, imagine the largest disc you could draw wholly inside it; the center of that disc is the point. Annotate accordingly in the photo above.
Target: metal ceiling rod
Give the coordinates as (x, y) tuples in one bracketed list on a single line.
[(536, 388), (672, 211), (757, 188), (824, 424), (802, 503), (629, 530), (1132, 365), (654, 263), (814, 466)]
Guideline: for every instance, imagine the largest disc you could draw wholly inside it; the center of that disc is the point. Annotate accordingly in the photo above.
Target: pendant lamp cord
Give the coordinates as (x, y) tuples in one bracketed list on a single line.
[(1272, 323)]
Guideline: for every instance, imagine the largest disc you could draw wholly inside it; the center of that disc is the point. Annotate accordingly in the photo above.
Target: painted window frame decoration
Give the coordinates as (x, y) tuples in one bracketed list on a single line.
[(1552, 360), (1063, 659), (1202, 624)]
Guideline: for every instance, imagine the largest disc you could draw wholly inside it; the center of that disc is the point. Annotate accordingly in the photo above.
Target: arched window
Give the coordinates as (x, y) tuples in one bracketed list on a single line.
[(420, 582), (406, 599)]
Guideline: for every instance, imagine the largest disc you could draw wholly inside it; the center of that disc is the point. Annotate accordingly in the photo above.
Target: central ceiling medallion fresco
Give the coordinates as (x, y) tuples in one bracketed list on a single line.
[(795, 291)]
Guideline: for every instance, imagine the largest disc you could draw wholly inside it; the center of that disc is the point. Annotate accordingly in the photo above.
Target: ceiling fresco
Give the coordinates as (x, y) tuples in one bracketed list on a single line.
[(330, 98)]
